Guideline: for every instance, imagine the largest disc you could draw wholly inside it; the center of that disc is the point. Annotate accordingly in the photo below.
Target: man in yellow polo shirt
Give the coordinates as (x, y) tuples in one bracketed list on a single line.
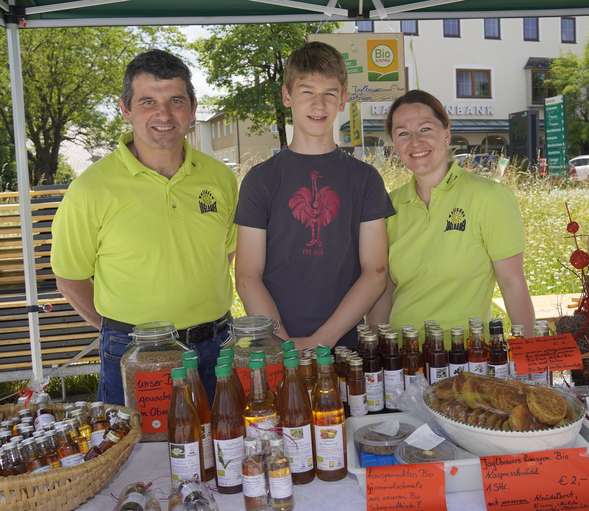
[(147, 232)]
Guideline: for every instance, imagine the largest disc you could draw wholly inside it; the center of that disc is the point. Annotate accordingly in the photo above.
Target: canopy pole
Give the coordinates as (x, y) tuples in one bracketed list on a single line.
[(24, 199)]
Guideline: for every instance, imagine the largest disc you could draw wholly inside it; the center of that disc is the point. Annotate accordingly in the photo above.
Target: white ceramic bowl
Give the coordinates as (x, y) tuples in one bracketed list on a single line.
[(484, 441)]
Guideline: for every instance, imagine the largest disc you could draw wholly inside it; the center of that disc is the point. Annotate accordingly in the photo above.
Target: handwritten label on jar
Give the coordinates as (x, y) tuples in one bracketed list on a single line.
[(153, 391)]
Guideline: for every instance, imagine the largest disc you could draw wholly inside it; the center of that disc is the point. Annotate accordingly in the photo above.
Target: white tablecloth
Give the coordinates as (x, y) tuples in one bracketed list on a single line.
[(149, 462)]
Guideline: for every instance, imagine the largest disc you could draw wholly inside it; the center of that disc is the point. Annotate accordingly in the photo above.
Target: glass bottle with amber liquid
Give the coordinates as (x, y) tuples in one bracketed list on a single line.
[(201, 403), (356, 387), (67, 450), (438, 356), (255, 487), (228, 432), (296, 418), (260, 408), (83, 424), (382, 329), (229, 352), (373, 375), (412, 358), (392, 370), (328, 424), (341, 368), (34, 460), (458, 359), (184, 433), (279, 478), (477, 352), (109, 440), (427, 345), (99, 423), (498, 363), (47, 446)]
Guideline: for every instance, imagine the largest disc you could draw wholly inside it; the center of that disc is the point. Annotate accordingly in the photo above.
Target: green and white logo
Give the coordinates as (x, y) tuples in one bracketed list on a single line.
[(382, 55)]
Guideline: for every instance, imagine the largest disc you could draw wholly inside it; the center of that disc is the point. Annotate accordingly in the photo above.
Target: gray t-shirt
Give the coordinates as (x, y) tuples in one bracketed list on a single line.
[(311, 207)]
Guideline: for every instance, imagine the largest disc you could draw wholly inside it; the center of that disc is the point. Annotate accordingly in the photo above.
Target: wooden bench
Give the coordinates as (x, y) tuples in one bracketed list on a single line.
[(549, 307), (63, 332)]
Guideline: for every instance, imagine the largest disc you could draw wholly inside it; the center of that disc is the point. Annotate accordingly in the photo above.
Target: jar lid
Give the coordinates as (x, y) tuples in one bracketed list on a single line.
[(382, 437), (251, 325), (154, 330), (406, 453)]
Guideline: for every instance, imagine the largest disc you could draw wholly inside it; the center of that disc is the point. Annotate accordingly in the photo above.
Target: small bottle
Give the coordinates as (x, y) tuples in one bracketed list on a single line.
[(47, 446), (541, 329), (26, 430), (255, 489), (84, 427), (328, 422), (392, 370), (296, 418), (373, 375), (137, 497), (75, 436), (427, 344), (192, 495), (33, 458), (44, 415), (67, 449), (438, 357), (412, 358), (68, 408), (5, 437), (260, 408), (382, 329), (184, 440), (477, 353), (458, 357), (228, 432), (279, 478), (356, 387), (108, 441), (201, 403), (98, 422), (121, 423), (341, 368), (15, 461), (498, 364), (308, 375), (517, 332)]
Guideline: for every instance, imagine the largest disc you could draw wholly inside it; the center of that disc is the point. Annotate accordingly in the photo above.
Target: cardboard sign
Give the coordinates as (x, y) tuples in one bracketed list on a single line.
[(153, 392), (536, 354), (552, 480), (407, 487)]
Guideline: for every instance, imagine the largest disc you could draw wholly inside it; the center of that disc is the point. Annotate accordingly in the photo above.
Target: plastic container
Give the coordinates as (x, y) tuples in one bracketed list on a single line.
[(256, 333), (409, 454), (375, 439), (146, 370)]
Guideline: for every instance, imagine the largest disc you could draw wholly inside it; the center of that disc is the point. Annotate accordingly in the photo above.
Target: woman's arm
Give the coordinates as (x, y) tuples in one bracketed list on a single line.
[(512, 282), (381, 310)]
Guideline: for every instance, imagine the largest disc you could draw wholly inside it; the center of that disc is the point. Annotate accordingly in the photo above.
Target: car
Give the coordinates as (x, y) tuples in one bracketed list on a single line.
[(579, 168)]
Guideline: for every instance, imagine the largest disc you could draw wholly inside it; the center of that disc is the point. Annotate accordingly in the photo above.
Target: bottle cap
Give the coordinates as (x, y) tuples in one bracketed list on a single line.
[(225, 360), (190, 363), (495, 327), (287, 345), (227, 350), (222, 370), (256, 363), (322, 350), (257, 355), (123, 415), (178, 373), (189, 354), (291, 362), (325, 360), (96, 403), (292, 353)]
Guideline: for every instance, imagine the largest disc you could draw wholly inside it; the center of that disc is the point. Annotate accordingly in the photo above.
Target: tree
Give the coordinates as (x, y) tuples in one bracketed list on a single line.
[(247, 62), (72, 81), (569, 76)]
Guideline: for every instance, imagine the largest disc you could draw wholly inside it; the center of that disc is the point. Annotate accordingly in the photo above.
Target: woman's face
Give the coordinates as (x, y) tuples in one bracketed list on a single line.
[(420, 139)]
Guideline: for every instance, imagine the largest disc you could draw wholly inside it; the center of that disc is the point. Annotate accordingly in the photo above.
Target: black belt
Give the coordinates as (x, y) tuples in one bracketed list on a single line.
[(190, 335)]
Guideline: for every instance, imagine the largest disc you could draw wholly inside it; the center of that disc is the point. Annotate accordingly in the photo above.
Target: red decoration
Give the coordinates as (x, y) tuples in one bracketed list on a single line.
[(579, 259), (572, 227)]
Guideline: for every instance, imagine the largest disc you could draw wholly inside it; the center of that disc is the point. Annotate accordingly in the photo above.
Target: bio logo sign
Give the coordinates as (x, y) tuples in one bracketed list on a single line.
[(383, 64)]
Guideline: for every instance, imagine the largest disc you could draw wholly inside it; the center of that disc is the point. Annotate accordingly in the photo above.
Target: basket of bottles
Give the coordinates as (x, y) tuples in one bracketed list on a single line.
[(56, 456)]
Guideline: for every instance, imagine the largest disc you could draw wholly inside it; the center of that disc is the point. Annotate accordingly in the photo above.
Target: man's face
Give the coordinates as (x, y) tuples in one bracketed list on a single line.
[(160, 112), (315, 101)]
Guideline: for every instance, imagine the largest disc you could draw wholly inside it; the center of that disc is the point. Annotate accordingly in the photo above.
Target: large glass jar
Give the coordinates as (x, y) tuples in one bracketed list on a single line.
[(146, 369), (256, 333)]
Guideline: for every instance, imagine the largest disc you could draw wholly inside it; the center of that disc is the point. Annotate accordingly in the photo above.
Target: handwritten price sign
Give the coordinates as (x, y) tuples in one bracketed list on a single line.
[(406, 487), (536, 354), (553, 480)]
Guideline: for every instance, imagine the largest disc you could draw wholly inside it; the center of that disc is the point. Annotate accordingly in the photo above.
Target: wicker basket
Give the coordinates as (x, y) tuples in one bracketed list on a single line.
[(64, 489)]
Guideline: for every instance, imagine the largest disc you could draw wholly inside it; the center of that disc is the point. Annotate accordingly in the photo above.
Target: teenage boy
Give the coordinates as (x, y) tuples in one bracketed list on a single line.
[(312, 243)]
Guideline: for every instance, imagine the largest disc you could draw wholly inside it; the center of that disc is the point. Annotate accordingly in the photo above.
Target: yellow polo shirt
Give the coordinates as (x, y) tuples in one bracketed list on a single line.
[(156, 248), (441, 257)]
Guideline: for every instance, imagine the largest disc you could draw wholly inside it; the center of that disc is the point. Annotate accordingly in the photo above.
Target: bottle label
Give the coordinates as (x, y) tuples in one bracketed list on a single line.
[(97, 437), (457, 368), (343, 390), (134, 498), (254, 486), (438, 373), (329, 443), (255, 428), (184, 461), (44, 419), (280, 487), (499, 371), (393, 386), (358, 404), (298, 448), (72, 460), (41, 470), (207, 445), (228, 458), (411, 379), (374, 391), (478, 368), (514, 375), (153, 392)]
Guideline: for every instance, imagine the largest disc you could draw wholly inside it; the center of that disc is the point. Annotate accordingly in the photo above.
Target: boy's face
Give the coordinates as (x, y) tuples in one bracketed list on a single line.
[(315, 100)]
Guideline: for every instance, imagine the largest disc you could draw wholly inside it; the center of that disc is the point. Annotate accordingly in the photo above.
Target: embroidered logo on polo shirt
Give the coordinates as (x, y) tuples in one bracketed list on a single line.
[(456, 220), (207, 202)]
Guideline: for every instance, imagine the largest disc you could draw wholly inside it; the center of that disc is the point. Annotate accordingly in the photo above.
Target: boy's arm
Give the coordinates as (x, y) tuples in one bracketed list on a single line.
[(365, 291), (381, 310), (249, 268)]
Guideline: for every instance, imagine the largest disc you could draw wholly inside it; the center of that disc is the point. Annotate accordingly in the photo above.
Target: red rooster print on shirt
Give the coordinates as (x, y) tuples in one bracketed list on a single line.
[(315, 207)]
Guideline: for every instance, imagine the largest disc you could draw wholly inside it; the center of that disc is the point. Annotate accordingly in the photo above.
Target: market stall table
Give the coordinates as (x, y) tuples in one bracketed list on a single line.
[(149, 462)]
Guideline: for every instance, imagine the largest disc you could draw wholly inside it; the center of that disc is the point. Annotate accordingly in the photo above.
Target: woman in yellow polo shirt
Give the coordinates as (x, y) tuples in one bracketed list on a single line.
[(454, 234)]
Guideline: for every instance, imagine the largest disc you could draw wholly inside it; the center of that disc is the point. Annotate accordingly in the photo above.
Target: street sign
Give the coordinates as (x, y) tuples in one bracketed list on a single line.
[(555, 129)]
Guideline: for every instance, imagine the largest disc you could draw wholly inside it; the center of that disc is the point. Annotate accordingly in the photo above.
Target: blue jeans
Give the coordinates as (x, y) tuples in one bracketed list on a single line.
[(114, 343)]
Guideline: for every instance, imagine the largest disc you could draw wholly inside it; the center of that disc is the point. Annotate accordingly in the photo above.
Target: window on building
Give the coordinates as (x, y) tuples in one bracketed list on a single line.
[(540, 90), (365, 26), (568, 30), (492, 28), (493, 144), (459, 144), (227, 128), (473, 83), (452, 27), (409, 27), (531, 30)]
